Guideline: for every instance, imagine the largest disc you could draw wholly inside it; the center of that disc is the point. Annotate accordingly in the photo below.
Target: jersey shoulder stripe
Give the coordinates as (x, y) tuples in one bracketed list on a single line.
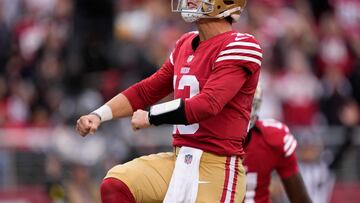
[(246, 44), (236, 57), (289, 145), (278, 136), (241, 49)]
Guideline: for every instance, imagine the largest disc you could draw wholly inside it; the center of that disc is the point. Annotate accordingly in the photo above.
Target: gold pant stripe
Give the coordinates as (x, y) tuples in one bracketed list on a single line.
[(231, 173)]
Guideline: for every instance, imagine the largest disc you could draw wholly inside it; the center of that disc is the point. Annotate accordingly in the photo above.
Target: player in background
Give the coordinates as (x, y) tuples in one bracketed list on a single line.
[(270, 146), (213, 74)]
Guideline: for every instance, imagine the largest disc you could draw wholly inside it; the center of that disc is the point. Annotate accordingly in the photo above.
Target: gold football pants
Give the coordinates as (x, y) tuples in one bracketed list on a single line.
[(221, 178)]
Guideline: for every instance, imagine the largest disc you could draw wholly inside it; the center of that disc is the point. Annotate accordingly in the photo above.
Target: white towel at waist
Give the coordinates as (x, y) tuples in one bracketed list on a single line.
[(183, 186)]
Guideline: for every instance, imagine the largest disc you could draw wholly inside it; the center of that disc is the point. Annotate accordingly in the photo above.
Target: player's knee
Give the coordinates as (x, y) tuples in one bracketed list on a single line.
[(113, 190)]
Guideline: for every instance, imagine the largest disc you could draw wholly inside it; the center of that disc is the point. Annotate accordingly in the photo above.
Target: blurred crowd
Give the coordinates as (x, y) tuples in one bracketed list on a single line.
[(62, 58), (59, 58)]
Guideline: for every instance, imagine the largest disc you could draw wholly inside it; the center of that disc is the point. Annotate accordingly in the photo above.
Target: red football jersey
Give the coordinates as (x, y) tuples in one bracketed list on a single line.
[(271, 147), (217, 80)]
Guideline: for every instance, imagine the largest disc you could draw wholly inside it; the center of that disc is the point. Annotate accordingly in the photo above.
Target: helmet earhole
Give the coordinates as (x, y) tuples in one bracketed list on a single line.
[(218, 7)]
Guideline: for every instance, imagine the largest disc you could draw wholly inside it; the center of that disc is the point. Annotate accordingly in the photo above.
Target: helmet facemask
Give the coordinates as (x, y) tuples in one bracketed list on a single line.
[(192, 14), (208, 9)]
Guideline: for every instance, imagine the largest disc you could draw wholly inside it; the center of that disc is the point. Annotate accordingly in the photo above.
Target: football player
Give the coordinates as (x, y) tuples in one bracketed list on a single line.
[(213, 74), (270, 146)]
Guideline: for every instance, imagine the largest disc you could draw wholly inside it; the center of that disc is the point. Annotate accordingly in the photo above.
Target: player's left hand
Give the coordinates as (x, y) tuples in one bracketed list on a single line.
[(140, 120)]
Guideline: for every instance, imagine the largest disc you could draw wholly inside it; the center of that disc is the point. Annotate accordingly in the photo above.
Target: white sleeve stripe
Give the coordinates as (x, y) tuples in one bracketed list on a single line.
[(288, 143), (292, 149), (234, 57), (171, 59), (242, 51), (249, 44)]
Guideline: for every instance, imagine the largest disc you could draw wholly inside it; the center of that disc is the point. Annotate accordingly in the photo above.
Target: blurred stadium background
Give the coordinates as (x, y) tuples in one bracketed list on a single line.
[(63, 58)]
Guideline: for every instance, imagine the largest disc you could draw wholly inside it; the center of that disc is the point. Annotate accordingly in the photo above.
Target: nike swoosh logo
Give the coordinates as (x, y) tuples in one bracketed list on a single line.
[(240, 38), (203, 182)]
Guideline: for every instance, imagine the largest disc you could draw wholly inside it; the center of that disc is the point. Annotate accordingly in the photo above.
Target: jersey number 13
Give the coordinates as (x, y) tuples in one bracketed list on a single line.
[(193, 84)]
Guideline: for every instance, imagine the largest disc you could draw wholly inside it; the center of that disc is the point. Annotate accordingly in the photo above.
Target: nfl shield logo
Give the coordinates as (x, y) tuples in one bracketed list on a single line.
[(188, 158)]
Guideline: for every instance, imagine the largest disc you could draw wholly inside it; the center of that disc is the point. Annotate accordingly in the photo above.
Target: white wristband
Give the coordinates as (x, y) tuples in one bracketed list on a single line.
[(104, 112)]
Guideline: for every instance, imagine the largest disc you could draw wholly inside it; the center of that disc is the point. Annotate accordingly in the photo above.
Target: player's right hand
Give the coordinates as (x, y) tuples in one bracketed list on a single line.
[(87, 124)]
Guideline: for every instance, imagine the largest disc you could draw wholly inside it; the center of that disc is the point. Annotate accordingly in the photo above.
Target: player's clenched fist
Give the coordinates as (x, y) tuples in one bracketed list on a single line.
[(87, 124), (140, 119)]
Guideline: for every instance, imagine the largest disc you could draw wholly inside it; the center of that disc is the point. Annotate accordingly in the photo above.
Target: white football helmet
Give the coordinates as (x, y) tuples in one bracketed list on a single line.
[(255, 108), (193, 10)]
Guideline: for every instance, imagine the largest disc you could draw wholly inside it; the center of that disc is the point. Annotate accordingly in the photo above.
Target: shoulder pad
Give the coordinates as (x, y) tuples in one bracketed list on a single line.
[(277, 135), (243, 50)]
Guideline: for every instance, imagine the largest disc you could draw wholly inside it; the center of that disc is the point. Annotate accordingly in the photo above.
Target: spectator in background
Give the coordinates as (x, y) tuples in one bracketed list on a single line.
[(3, 101), (355, 78), (318, 179), (333, 48), (349, 116), (336, 90), (299, 90), (348, 14), (4, 39), (80, 188), (54, 184)]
